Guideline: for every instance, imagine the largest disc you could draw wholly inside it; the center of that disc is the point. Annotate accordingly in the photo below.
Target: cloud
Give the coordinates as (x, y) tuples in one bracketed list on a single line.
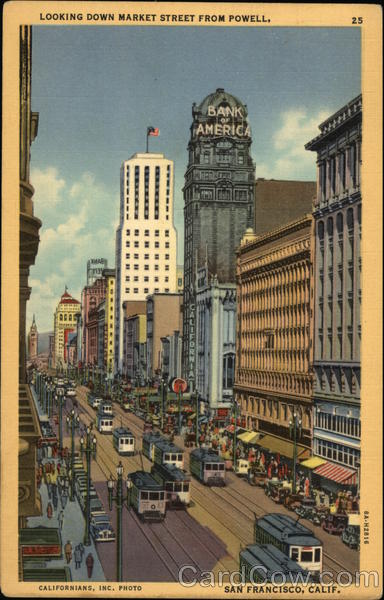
[(48, 186), (290, 160), (82, 227)]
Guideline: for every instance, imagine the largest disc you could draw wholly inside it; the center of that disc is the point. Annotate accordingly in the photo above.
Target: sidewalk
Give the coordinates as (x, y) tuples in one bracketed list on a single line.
[(73, 529)]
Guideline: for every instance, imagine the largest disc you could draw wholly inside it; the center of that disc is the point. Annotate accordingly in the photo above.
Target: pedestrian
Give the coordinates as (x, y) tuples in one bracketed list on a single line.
[(60, 519), (78, 557), (68, 551), (49, 485), (89, 561), (49, 510)]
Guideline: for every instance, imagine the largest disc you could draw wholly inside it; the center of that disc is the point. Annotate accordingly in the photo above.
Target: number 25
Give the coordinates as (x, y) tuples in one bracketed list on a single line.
[(357, 20)]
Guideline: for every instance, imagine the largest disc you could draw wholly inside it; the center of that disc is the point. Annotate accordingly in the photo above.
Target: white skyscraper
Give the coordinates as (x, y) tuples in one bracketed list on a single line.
[(146, 243)]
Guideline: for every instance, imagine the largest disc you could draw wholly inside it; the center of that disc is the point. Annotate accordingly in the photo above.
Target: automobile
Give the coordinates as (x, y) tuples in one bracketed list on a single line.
[(335, 524), (351, 536), (242, 466), (100, 527)]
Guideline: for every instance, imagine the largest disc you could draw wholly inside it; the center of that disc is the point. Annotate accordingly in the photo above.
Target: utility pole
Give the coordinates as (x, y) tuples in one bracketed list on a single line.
[(295, 432), (73, 421), (120, 500)]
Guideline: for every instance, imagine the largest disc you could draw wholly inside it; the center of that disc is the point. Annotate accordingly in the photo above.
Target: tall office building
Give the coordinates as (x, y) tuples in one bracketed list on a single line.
[(64, 323), (218, 201), (337, 298), (95, 267), (146, 244)]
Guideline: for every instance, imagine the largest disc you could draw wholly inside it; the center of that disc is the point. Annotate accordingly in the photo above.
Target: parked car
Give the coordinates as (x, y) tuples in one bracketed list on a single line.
[(100, 527), (351, 536), (335, 524)]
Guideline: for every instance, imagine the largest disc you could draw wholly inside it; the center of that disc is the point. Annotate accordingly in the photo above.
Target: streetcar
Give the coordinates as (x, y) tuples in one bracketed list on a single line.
[(94, 401), (295, 540), (147, 497), (105, 409), (207, 466), (149, 439), (167, 453), (124, 441), (265, 563), (104, 424), (176, 485)]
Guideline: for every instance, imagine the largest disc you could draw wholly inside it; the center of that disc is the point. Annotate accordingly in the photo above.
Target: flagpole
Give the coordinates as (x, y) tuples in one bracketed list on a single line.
[(147, 142)]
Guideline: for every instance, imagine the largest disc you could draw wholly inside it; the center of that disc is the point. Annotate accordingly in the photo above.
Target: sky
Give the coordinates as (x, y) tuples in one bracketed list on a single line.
[(96, 90)]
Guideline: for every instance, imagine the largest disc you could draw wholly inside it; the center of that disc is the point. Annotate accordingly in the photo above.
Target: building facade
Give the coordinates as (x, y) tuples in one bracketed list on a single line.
[(101, 331), (51, 350), (95, 268), (91, 297), (29, 501), (216, 340), (64, 324), (146, 244), (218, 201), (273, 378), (179, 279), (109, 276), (171, 354), (135, 344), (163, 318), (33, 341), (337, 299)]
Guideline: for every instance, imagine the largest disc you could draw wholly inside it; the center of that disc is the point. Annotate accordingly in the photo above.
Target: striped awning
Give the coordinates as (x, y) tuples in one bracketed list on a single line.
[(337, 473)]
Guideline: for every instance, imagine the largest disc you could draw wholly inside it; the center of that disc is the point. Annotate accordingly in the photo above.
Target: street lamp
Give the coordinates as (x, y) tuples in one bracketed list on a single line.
[(235, 408), (295, 432), (60, 402), (73, 421), (120, 500), (88, 447)]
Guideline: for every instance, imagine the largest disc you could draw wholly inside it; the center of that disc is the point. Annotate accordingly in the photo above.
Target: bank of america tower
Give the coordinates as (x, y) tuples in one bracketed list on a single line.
[(218, 200)]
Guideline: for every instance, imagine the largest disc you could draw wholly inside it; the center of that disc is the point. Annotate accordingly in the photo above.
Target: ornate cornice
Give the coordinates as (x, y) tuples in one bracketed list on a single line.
[(298, 250)]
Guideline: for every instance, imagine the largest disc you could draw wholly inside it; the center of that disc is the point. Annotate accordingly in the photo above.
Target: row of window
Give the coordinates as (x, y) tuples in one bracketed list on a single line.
[(67, 317), (137, 232), (146, 290), (146, 244), (146, 256), (337, 452), (146, 267), (339, 424), (145, 278)]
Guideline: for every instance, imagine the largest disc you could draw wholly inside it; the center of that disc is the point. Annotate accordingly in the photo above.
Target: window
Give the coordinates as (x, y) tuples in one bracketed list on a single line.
[(240, 159), (136, 232), (167, 233), (228, 370), (156, 290), (167, 257), (127, 278), (156, 257), (135, 290), (295, 554), (206, 157), (136, 278), (166, 279), (127, 290), (127, 243), (128, 255), (157, 245), (136, 267), (136, 256), (136, 244), (146, 244), (166, 290), (128, 232), (146, 256), (306, 556), (166, 268), (146, 267), (317, 555), (167, 244), (127, 267), (146, 278), (157, 233), (146, 291), (206, 194), (144, 495)]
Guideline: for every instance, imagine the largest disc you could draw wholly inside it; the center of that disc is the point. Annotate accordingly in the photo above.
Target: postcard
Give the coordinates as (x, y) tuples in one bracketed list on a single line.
[(191, 308)]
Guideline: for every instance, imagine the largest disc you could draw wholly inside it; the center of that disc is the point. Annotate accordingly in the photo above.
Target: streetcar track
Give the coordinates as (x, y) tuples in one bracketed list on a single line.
[(230, 492)]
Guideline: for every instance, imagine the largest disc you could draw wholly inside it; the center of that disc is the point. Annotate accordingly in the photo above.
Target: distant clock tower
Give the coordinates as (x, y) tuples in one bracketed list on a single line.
[(218, 199), (33, 340)]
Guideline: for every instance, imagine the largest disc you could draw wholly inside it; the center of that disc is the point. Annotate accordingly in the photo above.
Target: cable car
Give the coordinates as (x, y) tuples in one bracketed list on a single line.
[(149, 439), (265, 563), (104, 424), (207, 466), (292, 538), (147, 496), (176, 485), (167, 453), (124, 441)]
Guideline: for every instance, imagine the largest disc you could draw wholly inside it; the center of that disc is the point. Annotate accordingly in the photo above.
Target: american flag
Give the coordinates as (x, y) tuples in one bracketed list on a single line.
[(153, 131)]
